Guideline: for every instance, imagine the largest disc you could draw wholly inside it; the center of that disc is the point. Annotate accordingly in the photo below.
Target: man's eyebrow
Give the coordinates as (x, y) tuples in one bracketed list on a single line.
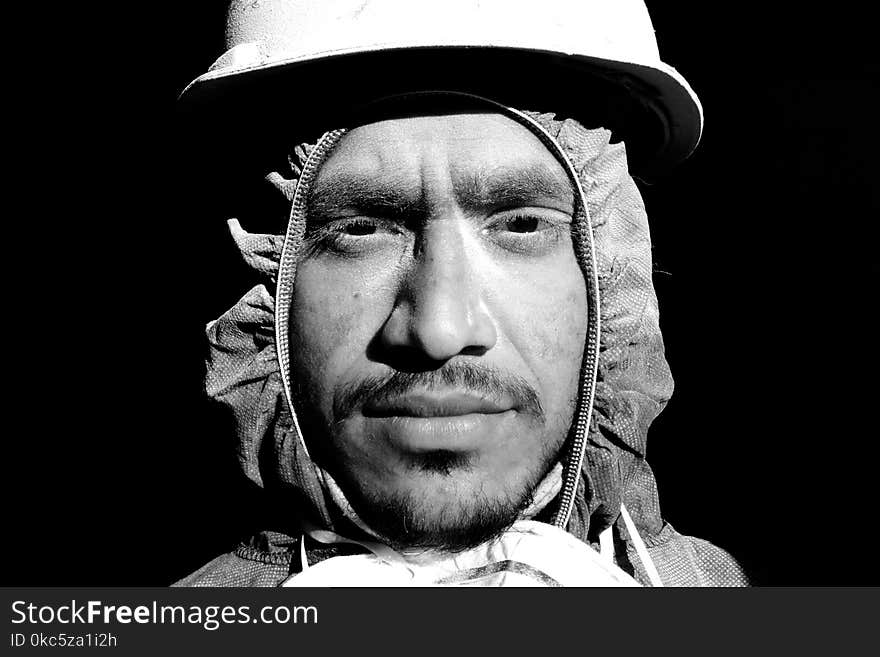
[(363, 193), (497, 188), (510, 187)]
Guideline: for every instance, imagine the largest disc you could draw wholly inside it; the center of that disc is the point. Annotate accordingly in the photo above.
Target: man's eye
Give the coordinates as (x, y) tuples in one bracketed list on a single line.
[(529, 233), (523, 224), (350, 236), (359, 227)]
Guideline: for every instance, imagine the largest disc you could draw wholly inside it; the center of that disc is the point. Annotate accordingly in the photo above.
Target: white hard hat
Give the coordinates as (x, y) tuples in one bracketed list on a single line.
[(592, 60)]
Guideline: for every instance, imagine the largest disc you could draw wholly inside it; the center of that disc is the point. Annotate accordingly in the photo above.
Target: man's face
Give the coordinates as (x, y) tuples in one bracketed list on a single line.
[(438, 322)]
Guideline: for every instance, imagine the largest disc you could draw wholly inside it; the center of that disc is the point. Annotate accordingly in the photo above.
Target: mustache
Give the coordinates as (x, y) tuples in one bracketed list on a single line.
[(475, 378)]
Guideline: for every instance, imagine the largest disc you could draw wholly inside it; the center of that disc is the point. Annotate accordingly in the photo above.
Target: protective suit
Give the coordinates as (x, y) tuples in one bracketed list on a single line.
[(602, 495)]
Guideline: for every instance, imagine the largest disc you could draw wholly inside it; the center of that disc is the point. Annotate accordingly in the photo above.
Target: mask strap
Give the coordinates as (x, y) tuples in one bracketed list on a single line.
[(641, 550), (327, 537)]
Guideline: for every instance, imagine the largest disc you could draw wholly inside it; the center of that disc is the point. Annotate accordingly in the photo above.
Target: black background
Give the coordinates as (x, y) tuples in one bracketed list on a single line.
[(119, 472)]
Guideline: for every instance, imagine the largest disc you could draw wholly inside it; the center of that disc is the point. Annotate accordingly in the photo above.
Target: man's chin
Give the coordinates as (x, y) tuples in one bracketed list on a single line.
[(442, 510)]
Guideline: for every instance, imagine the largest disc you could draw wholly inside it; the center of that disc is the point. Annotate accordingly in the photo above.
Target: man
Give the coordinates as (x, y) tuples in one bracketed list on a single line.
[(449, 370)]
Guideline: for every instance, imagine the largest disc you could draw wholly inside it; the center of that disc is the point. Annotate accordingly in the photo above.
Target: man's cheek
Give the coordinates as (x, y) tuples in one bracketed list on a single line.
[(333, 320), (559, 328), (363, 452), (322, 317), (559, 346)]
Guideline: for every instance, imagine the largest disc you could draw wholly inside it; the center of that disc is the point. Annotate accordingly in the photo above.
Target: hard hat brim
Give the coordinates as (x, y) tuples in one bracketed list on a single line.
[(651, 108)]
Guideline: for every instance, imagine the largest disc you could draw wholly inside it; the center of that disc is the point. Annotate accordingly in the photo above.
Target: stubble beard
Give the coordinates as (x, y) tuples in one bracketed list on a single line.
[(419, 520), (417, 516)]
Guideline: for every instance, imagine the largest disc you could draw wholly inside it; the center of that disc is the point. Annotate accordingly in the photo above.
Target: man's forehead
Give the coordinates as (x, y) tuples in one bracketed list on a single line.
[(484, 156), (462, 138)]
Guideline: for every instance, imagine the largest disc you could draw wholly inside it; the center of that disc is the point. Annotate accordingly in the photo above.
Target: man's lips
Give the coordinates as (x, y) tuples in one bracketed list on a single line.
[(428, 420), (428, 404)]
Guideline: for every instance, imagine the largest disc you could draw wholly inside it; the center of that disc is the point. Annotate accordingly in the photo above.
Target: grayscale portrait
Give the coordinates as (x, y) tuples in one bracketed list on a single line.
[(451, 357), (384, 293)]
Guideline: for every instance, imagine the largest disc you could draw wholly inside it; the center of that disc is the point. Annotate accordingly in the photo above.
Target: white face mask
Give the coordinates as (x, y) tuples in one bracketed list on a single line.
[(529, 554)]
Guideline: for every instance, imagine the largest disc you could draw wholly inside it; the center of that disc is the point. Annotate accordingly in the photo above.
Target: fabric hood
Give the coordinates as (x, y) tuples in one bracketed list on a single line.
[(628, 385)]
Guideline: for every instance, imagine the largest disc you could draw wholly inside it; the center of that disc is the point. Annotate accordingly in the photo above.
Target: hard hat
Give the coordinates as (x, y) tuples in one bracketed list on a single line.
[(592, 60)]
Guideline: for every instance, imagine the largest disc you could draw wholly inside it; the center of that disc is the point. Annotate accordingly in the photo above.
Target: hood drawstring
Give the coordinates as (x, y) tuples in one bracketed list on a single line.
[(606, 547), (641, 550)]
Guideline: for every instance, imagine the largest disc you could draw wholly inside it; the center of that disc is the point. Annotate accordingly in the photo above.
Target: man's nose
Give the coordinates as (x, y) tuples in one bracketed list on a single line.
[(441, 311)]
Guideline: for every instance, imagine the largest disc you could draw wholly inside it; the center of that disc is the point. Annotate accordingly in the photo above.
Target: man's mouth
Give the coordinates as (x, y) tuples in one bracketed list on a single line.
[(436, 420), (436, 404)]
